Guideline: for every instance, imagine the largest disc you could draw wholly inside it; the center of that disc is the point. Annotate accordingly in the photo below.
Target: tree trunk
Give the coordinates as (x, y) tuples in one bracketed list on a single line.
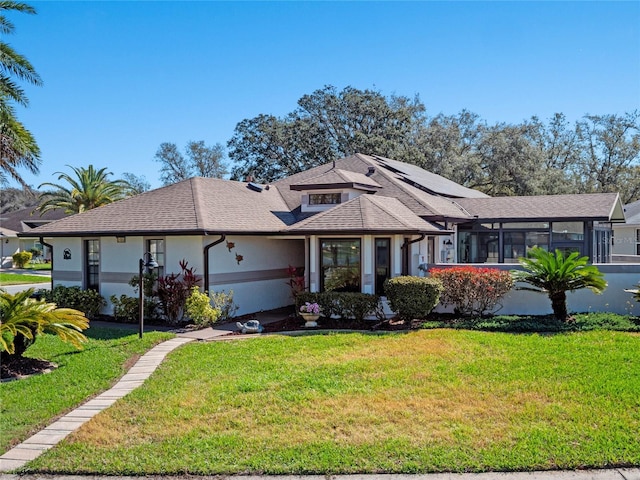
[(559, 305)]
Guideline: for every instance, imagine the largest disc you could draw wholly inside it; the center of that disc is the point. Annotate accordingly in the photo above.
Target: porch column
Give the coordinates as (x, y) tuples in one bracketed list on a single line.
[(396, 258), (314, 276), (367, 264)]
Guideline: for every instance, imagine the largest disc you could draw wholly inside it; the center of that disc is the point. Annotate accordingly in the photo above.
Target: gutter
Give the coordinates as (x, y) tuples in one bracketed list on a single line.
[(42, 242), (405, 253), (206, 260)]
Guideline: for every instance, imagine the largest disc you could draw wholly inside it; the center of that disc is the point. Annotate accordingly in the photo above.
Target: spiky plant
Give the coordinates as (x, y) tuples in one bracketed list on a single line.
[(23, 318), (555, 274)]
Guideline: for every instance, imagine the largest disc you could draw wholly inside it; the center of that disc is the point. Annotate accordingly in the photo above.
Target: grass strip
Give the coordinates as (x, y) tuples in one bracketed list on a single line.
[(21, 279), (32, 403), (425, 401)]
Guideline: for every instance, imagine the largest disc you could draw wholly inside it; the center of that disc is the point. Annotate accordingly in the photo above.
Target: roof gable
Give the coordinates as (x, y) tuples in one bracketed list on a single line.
[(366, 213)]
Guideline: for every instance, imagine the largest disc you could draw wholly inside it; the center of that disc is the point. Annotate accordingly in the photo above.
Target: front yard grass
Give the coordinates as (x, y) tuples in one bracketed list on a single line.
[(424, 401), (21, 279), (32, 403)]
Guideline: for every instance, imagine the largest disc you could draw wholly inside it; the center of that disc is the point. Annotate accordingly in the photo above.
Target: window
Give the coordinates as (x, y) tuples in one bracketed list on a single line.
[(568, 231), (156, 248), (478, 247), (92, 264), (637, 241), (324, 198), (340, 265)]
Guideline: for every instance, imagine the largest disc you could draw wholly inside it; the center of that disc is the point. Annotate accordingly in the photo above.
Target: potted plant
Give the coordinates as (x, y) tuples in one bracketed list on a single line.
[(310, 312)]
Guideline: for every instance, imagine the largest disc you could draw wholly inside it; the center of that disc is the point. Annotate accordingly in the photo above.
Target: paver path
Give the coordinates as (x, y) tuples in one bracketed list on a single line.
[(34, 446)]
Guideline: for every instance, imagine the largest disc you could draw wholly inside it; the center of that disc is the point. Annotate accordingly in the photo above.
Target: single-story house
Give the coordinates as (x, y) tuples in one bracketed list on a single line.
[(626, 241), (23, 221), (349, 225)]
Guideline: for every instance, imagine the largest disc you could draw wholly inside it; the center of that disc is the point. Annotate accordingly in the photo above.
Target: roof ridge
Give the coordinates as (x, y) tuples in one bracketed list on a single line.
[(197, 201), (384, 208)]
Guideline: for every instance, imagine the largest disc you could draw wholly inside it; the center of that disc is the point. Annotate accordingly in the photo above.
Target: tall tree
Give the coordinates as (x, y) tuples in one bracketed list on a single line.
[(18, 148), (199, 160), (138, 184), (327, 124), (89, 189), (610, 154)]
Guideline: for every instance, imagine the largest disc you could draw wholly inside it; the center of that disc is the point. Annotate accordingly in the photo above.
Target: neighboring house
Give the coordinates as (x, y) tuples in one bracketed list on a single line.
[(23, 221), (349, 225), (626, 244)]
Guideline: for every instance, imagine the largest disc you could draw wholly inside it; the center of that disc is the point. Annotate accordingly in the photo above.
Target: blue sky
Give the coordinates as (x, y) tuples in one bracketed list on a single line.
[(122, 77)]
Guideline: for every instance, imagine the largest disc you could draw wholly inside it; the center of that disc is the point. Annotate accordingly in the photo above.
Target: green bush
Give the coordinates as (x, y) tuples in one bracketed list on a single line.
[(342, 304), (88, 301), (125, 308), (412, 297), (199, 309), (20, 259)]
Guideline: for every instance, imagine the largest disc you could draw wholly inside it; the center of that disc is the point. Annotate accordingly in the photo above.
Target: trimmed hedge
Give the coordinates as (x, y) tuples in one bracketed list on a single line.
[(88, 301), (412, 297), (342, 304)]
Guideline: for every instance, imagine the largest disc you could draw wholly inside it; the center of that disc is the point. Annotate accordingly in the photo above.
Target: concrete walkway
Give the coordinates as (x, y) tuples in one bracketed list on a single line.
[(35, 445)]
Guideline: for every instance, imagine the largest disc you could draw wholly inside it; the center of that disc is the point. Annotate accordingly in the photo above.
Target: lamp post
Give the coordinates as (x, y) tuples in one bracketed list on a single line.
[(144, 267)]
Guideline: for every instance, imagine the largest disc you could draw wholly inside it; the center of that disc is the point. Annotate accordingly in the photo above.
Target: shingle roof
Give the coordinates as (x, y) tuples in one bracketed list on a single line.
[(366, 213), (632, 213), (594, 206), (197, 205), (337, 177), (25, 219)]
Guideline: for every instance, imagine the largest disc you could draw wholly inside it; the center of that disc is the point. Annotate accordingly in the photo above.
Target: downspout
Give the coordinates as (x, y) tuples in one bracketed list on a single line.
[(42, 242), (206, 260), (405, 252)]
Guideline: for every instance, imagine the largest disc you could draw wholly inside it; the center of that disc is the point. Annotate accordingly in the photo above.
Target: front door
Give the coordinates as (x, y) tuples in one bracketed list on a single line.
[(383, 263)]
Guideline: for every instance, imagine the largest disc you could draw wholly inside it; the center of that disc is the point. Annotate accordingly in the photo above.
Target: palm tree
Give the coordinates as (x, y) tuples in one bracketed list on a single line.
[(555, 275), (18, 148), (24, 318), (90, 189)]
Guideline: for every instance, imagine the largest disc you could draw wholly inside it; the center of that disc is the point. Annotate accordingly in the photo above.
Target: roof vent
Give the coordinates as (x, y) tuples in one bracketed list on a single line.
[(254, 186), (372, 170)]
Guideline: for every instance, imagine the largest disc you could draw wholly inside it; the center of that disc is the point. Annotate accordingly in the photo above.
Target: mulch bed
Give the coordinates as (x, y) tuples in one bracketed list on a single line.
[(20, 367), (294, 323)]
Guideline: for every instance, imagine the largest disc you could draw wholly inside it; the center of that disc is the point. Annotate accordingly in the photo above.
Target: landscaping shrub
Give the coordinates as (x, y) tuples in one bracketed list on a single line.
[(412, 297), (88, 301), (174, 289), (25, 318), (223, 302), (20, 259), (199, 309), (472, 290), (342, 304), (151, 301), (125, 308)]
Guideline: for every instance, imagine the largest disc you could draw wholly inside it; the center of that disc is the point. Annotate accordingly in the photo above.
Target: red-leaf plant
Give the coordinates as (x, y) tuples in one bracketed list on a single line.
[(472, 290), (174, 289)]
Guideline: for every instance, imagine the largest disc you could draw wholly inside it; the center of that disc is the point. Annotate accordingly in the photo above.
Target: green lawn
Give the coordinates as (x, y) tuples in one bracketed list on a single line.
[(30, 404), (21, 279), (38, 266), (425, 401)]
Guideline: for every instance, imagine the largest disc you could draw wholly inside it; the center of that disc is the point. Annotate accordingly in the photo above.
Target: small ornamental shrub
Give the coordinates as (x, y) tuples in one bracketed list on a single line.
[(223, 302), (125, 308), (342, 304), (199, 309), (88, 301), (472, 290), (412, 297), (20, 259), (174, 289)]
